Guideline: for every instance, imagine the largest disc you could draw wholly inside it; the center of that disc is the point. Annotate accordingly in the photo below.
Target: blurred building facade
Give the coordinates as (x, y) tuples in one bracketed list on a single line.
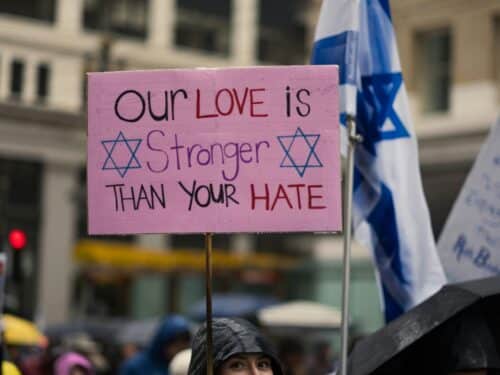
[(450, 52), (47, 46)]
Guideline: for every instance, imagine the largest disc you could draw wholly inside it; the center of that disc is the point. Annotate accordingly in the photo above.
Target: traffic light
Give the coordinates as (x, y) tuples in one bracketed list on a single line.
[(17, 239)]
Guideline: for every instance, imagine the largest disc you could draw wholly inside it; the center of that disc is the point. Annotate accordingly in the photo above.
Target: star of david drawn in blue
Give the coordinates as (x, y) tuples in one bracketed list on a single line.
[(132, 163), (375, 105), (312, 160)]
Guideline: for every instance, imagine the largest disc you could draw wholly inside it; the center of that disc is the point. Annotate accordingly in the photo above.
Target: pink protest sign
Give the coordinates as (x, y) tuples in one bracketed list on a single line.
[(214, 150)]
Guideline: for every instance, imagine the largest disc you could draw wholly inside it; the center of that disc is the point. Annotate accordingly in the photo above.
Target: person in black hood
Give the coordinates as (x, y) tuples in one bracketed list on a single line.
[(238, 348)]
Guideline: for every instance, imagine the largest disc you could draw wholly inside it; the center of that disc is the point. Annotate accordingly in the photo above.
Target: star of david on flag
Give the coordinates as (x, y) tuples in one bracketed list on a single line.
[(390, 215), (121, 154), (300, 151)]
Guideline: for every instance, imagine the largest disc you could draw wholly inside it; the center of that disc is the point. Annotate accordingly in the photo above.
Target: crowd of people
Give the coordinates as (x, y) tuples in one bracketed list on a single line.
[(176, 348)]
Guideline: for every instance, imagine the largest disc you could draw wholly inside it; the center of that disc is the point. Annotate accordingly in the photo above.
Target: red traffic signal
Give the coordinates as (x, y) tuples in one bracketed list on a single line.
[(17, 239)]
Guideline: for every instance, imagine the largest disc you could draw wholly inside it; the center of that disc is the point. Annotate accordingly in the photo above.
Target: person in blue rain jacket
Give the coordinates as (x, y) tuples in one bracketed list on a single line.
[(172, 336)]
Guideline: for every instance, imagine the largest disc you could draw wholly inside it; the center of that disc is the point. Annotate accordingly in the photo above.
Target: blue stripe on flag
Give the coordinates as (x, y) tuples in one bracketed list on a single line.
[(383, 222), (385, 6), (379, 35), (392, 309), (357, 179), (338, 49), (343, 119)]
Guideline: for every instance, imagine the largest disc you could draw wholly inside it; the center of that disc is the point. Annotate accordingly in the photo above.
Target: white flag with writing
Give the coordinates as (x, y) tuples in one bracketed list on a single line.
[(469, 245)]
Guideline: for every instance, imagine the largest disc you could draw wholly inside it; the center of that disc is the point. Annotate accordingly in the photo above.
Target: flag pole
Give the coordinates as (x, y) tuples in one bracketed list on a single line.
[(208, 317), (353, 139)]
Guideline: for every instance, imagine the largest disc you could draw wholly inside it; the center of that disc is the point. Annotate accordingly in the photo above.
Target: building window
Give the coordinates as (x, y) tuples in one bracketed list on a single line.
[(99, 62), (203, 25), (16, 79), (42, 10), (435, 65), (282, 31), (42, 84), (124, 17)]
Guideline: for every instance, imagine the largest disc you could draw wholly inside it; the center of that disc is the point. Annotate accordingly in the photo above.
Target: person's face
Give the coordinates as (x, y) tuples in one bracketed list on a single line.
[(247, 364)]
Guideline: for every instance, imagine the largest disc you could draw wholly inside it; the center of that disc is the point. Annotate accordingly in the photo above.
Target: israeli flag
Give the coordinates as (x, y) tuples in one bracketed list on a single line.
[(390, 215)]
